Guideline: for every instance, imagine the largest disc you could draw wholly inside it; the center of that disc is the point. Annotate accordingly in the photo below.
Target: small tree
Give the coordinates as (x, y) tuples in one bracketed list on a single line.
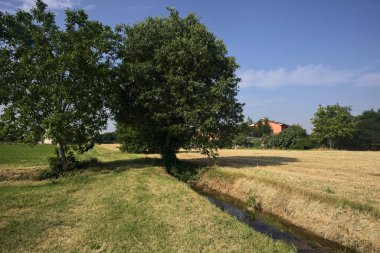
[(333, 125), (178, 86), (54, 82)]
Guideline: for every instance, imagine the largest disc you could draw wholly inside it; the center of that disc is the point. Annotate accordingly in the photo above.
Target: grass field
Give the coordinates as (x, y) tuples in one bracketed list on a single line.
[(18, 155), (335, 194), (125, 205)]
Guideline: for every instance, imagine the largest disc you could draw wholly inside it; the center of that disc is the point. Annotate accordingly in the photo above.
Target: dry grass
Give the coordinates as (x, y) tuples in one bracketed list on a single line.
[(335, 194), (350, 175)]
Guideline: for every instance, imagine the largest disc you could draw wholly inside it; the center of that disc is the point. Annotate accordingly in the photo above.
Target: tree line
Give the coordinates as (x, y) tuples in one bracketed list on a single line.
[(334, 127)]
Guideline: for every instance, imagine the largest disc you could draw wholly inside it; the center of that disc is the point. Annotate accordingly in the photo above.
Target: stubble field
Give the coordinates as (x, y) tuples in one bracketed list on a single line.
[(333, 194)]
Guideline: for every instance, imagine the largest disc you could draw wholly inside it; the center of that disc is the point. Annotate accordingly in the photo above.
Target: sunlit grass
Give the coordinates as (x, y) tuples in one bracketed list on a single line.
[(133, 207), (21, 155)]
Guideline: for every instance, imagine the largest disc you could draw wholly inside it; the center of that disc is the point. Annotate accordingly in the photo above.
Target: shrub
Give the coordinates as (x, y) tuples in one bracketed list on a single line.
[(294, 137)]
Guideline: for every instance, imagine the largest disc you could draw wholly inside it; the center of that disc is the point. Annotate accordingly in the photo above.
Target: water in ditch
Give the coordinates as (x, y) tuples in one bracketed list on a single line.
[(267, 225)]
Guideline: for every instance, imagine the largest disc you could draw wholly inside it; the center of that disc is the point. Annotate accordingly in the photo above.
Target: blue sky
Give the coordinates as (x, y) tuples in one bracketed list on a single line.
[(293, 55)]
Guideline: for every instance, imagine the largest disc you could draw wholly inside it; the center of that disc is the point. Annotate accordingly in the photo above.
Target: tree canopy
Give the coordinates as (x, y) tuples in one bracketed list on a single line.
[(368, 130), (333, 125), (54, 82), (178, 85)]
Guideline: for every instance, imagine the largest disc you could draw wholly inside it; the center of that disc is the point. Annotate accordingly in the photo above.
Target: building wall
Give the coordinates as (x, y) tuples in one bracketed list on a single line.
[(277, 128)]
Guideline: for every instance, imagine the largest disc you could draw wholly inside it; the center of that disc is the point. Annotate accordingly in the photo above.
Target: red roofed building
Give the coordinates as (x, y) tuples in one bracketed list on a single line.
[(277, 127)]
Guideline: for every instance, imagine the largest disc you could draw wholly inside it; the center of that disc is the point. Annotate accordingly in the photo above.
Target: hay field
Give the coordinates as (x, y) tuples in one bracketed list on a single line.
[(343, 174), (334, 194)]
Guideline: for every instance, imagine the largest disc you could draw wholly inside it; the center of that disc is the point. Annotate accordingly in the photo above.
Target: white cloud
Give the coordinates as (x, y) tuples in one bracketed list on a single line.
[(309, 75), (28, 4)]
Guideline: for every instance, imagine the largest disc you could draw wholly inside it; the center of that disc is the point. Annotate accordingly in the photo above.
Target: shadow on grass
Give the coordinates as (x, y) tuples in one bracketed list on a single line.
[(244, 161), (93, 165), (122, 165)]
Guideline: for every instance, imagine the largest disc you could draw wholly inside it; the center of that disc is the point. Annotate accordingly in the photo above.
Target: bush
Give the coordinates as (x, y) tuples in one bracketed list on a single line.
[(47, 174), (294, 137), (55, 166)]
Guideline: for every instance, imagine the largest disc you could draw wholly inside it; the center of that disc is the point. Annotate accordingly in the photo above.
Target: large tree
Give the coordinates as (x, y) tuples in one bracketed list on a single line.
[(333, 125), (54, 82), (179, 85)]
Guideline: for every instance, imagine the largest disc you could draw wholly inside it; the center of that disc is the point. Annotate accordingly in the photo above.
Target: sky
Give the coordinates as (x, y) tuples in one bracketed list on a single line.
[(293, 55)]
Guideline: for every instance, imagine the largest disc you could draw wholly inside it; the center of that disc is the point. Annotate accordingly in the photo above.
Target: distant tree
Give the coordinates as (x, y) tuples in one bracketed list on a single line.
[(107, 138), (333, 125), (54, 82), (368, 130), (261, 128), (2, 132), (244, 134), (294, 137), (178, 86)]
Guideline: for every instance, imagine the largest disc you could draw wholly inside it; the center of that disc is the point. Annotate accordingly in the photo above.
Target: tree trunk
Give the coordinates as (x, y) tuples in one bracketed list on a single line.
[(62, 156), (168, 155), (331, 143)]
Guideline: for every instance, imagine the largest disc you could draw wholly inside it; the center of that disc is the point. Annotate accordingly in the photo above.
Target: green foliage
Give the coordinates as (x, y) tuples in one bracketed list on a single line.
[(294, 137), (188, 172), (333, 125), (56, 166), (55, 169), (266, 141), (132, 142), (7, 136), (252, 202), (55, 163), (368, 130), (262, 128), (244, 134), (107, 138), (54, 83), (178, 86)]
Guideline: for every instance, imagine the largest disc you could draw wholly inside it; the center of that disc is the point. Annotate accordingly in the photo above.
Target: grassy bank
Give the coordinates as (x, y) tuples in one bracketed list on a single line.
[(124, 205), (334, 194)]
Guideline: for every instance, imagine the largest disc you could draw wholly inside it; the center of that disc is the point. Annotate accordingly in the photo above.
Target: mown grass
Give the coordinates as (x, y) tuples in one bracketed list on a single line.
[(131, 207), (20, 155)]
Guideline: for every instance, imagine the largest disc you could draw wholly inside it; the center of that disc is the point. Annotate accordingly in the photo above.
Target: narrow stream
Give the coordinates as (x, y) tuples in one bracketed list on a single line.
[(267, 225)]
